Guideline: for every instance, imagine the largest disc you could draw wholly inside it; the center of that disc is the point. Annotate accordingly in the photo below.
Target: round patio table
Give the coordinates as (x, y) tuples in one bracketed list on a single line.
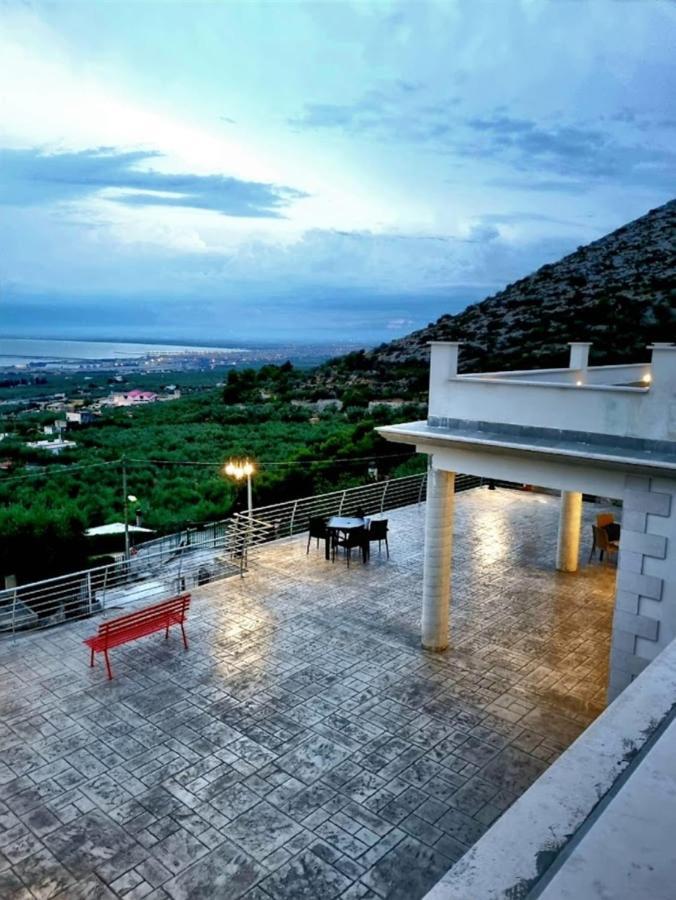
[(340, 523)]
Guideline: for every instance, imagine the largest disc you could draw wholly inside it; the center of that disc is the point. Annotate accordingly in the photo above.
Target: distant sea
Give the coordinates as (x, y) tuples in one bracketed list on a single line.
[(22, 351)]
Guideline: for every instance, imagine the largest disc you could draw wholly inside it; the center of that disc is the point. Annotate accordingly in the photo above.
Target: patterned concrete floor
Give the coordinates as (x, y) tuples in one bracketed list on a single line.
[(305, 746)]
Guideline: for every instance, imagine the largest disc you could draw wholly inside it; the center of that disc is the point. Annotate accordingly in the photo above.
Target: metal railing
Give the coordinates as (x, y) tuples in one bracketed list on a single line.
[(178, 562), (148, 577), (292, 517)]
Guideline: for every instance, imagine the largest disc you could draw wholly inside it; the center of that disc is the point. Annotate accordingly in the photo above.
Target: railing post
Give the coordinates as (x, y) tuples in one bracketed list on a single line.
[(423, 478), (89, 591), (342, 500), (103, 589), (180, 572), (382, 500), (14, 612), (293, 518)]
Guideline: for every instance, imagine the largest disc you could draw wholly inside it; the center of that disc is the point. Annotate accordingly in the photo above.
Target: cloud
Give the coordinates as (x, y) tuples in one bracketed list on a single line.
[(559, 154), (399, 110), (573, 152), (31, 177), (399, 324)]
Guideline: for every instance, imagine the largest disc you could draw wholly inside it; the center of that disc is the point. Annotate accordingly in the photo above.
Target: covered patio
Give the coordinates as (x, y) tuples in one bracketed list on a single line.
[(305, 746)]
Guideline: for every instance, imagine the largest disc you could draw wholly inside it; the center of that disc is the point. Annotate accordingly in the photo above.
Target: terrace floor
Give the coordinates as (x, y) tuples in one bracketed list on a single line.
[(305, 746)]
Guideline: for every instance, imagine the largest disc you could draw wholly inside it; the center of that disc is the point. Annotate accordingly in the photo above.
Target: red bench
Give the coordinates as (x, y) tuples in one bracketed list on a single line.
[(124, 629)]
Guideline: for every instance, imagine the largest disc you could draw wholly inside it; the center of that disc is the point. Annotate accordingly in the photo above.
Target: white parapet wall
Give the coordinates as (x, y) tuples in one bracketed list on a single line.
[(620, 401)]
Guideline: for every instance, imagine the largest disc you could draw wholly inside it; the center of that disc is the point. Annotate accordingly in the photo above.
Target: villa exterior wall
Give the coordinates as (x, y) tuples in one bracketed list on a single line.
[(504, 466)]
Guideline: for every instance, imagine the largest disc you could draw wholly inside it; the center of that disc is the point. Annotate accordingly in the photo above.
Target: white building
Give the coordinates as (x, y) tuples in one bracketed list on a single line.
[(54, 447), (609, 431), (80, 417)]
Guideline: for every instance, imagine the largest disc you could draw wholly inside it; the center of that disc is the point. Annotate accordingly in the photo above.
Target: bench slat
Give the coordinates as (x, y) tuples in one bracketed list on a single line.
[(159, 610)]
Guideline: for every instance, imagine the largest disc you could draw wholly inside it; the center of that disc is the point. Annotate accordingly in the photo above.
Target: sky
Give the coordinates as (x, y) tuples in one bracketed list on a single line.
[(314, 171)]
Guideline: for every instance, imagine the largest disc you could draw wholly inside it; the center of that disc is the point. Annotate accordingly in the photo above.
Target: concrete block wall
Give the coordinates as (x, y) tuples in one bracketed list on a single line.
[(645, 610)]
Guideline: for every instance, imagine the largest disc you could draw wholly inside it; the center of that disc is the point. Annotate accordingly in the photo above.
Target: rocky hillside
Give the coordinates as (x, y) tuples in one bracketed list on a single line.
[(618, 292)]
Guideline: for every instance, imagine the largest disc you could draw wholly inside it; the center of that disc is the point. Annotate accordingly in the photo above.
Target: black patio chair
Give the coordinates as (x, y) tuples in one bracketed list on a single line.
[(316, 529), (355, 538), (377, 531)]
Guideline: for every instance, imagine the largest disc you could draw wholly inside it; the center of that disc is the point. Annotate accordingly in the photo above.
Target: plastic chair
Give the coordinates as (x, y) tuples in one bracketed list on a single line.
[(602, 543)]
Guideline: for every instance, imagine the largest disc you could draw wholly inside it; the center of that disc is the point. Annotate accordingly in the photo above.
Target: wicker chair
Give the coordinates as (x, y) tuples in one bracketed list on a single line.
[(316, 529), (377, 531), (355, 538)]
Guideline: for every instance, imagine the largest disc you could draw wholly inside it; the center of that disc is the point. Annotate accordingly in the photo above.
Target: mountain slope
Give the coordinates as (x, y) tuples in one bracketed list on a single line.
[(618, 292)]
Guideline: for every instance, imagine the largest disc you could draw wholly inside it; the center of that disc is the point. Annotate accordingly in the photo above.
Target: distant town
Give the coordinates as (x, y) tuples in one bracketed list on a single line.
[(77, 389)]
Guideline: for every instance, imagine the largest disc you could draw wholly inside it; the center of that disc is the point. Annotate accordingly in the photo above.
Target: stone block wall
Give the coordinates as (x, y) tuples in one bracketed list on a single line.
[(645, 610)]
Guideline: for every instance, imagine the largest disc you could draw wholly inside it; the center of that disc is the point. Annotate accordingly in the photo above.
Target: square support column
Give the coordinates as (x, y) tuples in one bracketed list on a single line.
[(437, 559), (570, 522), (579, 355), (644, 622)]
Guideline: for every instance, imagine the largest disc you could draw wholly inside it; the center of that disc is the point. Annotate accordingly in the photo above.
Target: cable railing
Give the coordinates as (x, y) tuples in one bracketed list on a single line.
[(178, 562)]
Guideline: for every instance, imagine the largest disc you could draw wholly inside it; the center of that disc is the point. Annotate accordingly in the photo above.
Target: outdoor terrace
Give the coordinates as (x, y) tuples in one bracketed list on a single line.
[(305, 746)]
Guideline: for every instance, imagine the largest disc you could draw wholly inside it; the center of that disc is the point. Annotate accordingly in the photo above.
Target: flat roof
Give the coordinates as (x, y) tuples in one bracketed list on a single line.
[(545, 442)]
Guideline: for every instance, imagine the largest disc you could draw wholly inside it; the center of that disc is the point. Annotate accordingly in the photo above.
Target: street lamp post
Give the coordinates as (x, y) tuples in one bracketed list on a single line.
[(239, 469), (128, 498)]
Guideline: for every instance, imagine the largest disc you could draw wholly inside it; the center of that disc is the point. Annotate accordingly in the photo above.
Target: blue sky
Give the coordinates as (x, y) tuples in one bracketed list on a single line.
[(314, 170)]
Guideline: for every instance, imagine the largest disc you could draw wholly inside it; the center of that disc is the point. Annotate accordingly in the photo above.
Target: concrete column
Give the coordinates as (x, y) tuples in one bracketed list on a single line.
[(570, 521), (437, 559)]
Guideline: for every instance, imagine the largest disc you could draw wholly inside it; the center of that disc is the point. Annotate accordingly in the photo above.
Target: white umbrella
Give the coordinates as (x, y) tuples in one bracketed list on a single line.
[(116, 528)]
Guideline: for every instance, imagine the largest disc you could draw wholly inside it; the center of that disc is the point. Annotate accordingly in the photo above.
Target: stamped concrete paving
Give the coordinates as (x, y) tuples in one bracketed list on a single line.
[(305, 746)]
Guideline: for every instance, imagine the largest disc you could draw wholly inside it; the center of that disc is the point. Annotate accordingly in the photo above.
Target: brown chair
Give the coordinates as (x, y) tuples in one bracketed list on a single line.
[(602, 543), (604, 519)]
